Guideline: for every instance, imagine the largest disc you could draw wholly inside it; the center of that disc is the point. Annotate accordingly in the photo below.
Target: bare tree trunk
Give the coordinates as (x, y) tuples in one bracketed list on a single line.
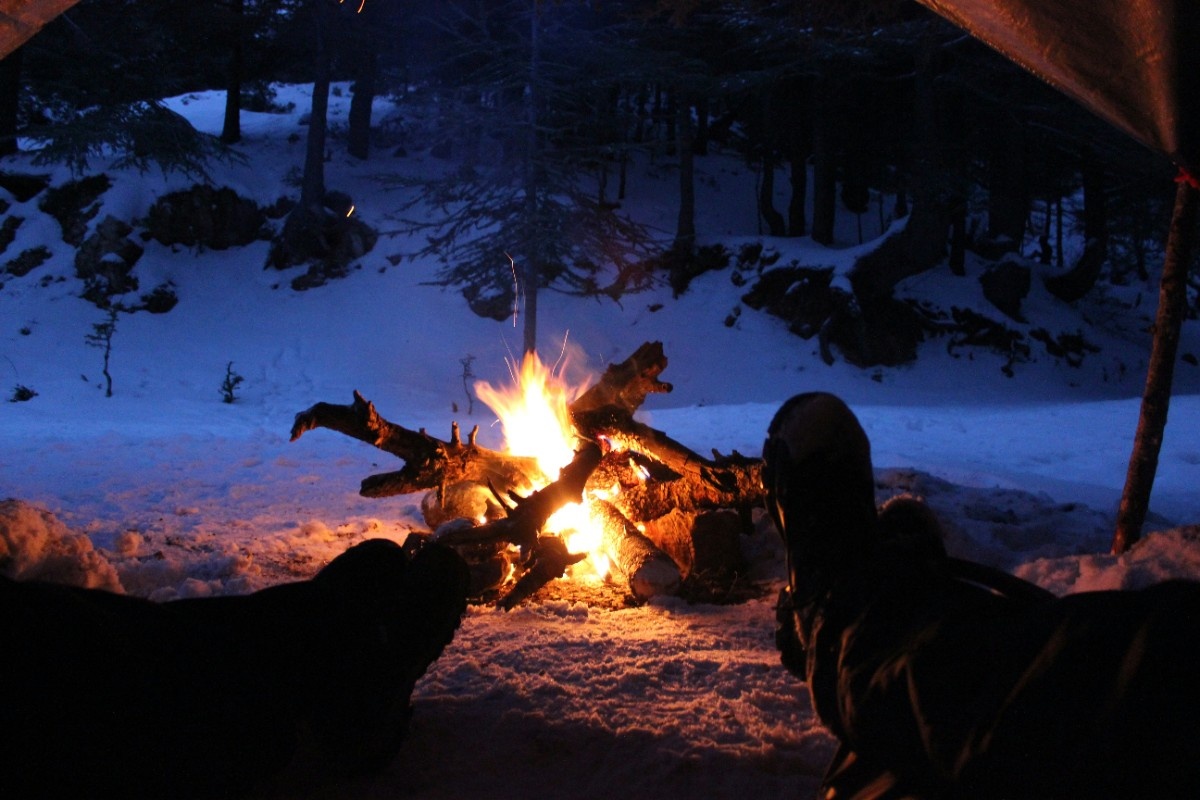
[(358, 136), (231, 130), (685, 230), (531, 270), (798, 174), (824, 179), (1156, 398), (1081, 278), (766, 195), (10, 94), (312, 188)]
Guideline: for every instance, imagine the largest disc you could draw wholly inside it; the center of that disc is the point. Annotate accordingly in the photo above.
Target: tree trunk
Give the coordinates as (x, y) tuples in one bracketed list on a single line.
[(929, 220), (798, 175), (685, 229), (358, 137), (1081, 278), (10, 95), (700, 139), (231, 130), (1008, 200), (531, 269), (1156, 398), (824, 179), (766, 196), (312, 188)]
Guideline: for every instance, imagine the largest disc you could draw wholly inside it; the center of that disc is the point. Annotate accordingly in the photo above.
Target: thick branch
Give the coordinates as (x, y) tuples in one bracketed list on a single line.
[(605, 411), (527, 518), (430, 463)]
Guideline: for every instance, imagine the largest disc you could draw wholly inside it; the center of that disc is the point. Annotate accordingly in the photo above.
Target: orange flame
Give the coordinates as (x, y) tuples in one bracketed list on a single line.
[(534, 413)]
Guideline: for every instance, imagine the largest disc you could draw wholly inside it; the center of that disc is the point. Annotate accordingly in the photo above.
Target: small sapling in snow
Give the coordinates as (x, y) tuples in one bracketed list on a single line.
[(101, 338), (230, 384)]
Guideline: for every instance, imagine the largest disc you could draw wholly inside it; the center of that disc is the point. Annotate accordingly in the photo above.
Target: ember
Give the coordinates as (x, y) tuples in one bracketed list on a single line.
[(578, 479)]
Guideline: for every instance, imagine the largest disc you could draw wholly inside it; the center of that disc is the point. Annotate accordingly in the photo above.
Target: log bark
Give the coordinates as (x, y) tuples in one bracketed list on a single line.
[(707, 542), (430, 463), (649, 571), (605, 411)]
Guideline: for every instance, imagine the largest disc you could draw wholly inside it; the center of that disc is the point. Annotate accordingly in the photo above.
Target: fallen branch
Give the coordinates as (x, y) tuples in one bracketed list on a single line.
[(430, 463)]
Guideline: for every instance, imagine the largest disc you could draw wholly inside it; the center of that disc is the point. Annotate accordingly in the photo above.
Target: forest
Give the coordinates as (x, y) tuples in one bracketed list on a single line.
[(884, 108)]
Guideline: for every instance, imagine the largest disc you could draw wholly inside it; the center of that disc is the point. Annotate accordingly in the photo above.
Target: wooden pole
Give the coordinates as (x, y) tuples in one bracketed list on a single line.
[(1152, 420)]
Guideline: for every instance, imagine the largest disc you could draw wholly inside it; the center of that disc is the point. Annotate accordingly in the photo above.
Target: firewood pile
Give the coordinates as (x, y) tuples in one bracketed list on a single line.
[(668, 515)]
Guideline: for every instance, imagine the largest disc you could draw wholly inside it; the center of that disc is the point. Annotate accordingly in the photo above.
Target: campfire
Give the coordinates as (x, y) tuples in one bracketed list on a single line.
[(580, 490)]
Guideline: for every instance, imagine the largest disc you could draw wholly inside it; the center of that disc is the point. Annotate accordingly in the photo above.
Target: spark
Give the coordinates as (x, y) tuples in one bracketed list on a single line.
[(561, 354), (351, 211), (516, 287)]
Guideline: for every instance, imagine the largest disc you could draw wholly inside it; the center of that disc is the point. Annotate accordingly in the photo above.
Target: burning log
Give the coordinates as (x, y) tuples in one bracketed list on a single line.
[(544, 557), (549, 561), (649, 571), (527, 516), (605, 411)]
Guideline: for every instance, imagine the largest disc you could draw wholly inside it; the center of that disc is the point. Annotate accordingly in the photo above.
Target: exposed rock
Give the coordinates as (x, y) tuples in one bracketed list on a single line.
[(1005, 285), (74, 205), (27, 261), (23, 187), (105, 261), (8, 231), (326, 239), (205, 217), (798, 295)]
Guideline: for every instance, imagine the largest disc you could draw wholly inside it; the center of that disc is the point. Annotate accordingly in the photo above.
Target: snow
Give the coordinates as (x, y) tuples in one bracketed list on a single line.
[(173, 493)]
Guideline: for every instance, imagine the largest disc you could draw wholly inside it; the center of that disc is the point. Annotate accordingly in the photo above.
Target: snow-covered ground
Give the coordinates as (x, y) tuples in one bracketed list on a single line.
[(175, 493)]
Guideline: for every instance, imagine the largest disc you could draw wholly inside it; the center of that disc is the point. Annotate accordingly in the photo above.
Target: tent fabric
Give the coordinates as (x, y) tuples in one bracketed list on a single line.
[(21, 19), (1134, 63)]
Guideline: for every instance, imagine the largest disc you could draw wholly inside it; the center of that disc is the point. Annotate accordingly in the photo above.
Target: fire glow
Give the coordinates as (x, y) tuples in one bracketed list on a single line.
[(536, 421)]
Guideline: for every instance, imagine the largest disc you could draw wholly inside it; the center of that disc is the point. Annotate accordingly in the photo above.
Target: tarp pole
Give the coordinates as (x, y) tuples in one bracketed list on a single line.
[(1156, 397)]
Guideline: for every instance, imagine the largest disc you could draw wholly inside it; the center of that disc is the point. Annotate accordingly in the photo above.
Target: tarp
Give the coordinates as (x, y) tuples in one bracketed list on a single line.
[(1135, 63), (21, 19)]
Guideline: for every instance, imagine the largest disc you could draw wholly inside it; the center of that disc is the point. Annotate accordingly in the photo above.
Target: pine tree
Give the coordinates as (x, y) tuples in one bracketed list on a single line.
[(518, 216)]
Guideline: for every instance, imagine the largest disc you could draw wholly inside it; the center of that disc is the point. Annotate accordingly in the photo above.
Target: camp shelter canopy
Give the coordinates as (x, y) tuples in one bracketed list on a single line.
[(21, 19), (1135, 63)]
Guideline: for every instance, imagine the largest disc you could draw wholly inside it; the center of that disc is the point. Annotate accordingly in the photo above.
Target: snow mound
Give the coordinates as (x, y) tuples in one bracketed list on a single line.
[(35, 545), (1156, 557)]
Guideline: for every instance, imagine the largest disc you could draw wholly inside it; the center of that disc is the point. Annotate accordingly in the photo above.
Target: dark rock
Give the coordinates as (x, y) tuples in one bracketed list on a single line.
[(205, 217), (105, 261), (27, 261), (8, 231), (800, 296), (23, 187), (161, 299), (74, 205), (1005, 285)]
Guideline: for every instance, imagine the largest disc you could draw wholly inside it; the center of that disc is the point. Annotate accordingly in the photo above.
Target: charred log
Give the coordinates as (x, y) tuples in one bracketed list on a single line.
[(605, 412), (550, 560), (527, 515), (430, 463)]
